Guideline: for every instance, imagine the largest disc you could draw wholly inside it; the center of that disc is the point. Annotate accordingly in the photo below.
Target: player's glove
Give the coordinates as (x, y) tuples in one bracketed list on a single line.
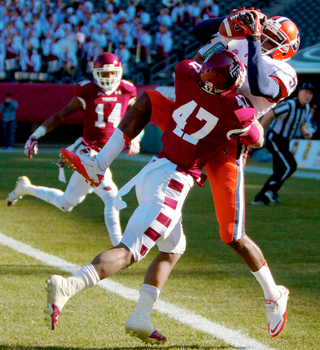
[(31, 146), (60, 163), (251, 24), (134, 147)]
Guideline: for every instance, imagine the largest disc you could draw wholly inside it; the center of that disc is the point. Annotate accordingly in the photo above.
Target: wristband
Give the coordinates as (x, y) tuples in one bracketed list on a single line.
[(41, 131)]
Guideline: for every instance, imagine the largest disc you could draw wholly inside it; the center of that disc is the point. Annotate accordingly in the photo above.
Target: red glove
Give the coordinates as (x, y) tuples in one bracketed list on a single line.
[(251, 24), (31, 146), (61, 163)]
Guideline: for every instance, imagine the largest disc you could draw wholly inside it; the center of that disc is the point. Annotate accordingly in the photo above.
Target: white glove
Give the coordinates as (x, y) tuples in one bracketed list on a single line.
[(134, 147), (31, 146)]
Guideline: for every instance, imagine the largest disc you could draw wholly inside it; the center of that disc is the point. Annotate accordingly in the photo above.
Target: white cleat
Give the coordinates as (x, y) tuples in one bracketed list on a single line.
[(277, 312), (57, 296), (19, 191), (140, 327)]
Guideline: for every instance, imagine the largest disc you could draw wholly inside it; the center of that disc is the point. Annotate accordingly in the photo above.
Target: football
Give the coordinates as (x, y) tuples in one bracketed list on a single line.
[(229, 29)]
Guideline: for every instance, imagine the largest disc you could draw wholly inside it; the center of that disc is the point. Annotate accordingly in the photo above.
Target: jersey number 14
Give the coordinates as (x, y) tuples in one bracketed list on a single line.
[(114, 116)]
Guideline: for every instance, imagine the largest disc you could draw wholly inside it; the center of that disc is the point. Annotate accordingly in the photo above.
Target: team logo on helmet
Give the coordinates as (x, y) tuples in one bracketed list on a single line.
[(296, 45), (235, 71)]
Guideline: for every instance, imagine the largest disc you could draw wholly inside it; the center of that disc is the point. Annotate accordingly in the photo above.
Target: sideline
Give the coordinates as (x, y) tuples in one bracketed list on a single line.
[(234, 338), (147, 157)]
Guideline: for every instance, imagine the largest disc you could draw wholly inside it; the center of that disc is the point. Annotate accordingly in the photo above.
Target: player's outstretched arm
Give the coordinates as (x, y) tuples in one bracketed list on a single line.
[(31, 146), (204, 30), (267, 118), (260, 83), (133, 122), (137, 117)]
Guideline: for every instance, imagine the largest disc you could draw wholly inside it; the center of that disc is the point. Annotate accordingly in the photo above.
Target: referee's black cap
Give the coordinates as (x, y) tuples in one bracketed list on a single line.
[(306, 86)]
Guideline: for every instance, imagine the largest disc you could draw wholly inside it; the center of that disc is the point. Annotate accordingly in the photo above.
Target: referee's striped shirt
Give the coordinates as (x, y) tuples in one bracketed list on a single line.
[(290, 115)]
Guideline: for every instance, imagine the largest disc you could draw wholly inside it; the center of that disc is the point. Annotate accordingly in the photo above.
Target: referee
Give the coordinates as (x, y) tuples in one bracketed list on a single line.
[(288, 117)]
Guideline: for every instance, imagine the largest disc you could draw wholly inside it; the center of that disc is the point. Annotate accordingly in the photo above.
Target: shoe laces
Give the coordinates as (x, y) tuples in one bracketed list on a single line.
[(271, 311)]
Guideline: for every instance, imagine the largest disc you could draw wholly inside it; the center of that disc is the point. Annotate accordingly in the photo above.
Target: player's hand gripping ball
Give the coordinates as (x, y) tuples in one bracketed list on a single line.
[(229, 28)]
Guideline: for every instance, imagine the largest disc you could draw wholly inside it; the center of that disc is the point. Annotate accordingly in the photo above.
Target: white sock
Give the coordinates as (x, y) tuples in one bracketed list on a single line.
[(90, 275), (152, 290), (264, 277), (85, 278), (112, 218), (148, 296), (111, 149)]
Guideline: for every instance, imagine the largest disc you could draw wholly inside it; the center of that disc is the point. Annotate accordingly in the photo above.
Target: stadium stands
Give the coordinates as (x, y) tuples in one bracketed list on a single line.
[(56, 25)]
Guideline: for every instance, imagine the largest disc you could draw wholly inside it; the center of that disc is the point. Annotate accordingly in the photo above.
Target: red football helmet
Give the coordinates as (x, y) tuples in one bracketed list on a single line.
[(107, 71), (280, 38), (222, 71)]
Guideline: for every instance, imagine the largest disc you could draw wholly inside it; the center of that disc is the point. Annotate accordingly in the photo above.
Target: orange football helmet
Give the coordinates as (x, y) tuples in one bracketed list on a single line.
[(280, 38)]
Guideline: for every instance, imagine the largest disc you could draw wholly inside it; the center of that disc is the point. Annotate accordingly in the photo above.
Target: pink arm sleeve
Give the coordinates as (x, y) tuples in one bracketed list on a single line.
[(251, 137)]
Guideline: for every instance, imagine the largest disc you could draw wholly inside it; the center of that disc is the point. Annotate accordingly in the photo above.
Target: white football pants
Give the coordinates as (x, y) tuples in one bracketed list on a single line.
[(76, 192), (161, 193)]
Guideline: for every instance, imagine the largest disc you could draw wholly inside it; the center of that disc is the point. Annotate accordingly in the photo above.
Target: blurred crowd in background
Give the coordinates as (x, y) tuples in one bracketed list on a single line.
[(59, 39)]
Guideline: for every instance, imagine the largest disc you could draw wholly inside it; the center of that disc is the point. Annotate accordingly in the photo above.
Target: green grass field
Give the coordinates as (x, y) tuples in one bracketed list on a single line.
[(209, 280)]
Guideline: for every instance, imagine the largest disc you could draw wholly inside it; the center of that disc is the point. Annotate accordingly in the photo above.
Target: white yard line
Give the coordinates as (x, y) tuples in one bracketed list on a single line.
[(189, 318)]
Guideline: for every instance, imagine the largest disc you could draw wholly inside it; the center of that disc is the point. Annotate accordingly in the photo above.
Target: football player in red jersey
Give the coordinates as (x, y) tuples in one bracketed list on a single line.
[(269, 79), (206, 116), (103, 102)]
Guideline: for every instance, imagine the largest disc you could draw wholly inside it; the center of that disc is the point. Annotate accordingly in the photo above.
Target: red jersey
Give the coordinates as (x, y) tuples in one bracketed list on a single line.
[(102, 110), (200, 121)]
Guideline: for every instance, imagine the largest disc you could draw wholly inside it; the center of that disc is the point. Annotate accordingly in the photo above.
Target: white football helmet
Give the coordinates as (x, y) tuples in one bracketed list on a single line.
[(107, 71)]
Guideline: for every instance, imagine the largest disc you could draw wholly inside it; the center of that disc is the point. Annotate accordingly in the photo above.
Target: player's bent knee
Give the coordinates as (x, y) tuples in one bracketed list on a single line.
[(228, 234), (241, 244), (67, 209), (63, 204), (135, 244), (226, 237)]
